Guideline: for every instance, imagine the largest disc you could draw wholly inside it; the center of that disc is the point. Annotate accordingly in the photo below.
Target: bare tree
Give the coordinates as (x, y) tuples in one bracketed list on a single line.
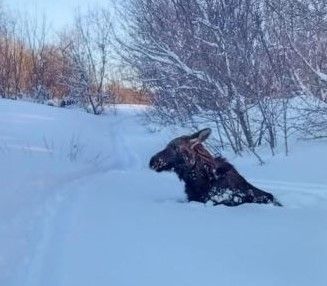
[(36, 32), (88, 48)]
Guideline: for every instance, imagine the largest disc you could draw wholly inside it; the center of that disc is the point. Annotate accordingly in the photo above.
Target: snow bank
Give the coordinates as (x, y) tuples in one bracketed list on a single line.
[(79, 206)]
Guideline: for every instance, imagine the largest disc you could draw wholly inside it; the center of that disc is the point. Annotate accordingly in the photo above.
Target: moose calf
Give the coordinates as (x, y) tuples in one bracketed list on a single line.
[(207, 178)]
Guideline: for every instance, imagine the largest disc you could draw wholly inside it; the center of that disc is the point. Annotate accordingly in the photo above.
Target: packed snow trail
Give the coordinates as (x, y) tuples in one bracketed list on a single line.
[(104, 218)]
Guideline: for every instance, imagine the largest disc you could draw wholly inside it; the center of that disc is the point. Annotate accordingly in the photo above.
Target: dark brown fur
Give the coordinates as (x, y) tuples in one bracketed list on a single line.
[(207, 178)]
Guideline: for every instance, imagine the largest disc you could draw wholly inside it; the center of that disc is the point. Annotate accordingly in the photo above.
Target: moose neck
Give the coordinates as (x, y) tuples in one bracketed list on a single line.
[(202, 167), (197, 184), (198, 177)]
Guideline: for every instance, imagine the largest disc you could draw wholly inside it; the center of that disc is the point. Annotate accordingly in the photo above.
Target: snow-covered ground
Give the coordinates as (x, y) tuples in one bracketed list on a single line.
[(79, 206)]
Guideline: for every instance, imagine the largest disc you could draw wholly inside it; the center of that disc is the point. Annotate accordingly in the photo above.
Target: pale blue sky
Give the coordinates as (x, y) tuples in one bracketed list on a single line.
[(59, 13)]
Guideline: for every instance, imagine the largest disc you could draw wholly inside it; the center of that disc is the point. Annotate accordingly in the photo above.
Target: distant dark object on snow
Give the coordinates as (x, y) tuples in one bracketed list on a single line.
[(207, 178)]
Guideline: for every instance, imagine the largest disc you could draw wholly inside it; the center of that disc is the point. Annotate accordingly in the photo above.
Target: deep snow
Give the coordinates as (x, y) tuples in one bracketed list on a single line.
[(79, 206)]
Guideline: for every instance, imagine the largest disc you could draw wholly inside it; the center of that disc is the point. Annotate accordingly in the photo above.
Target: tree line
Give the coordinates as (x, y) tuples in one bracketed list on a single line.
[(255, 70), (76, 67)]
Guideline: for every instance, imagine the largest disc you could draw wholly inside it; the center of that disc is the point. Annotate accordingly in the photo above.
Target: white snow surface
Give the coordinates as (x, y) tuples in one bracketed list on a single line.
[(79, 206)]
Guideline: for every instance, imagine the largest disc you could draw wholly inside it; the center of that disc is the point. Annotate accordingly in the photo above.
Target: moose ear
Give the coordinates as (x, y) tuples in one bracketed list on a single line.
[(200, 136)]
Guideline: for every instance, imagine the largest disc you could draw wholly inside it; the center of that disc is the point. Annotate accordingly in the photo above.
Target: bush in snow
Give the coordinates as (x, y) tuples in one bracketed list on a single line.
[(227, 62)]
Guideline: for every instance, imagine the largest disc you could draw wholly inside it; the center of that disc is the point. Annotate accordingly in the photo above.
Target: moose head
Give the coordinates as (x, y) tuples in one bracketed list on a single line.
[(182, 151)]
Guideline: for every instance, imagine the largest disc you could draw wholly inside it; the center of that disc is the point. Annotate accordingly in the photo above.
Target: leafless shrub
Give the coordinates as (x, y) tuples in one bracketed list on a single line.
[(239, 64), (87, 48)]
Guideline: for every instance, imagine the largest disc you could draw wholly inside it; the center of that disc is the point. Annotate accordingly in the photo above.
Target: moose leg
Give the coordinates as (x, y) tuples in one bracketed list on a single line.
[(228, 197), (231, 189), (237, 197), (262, 197)]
